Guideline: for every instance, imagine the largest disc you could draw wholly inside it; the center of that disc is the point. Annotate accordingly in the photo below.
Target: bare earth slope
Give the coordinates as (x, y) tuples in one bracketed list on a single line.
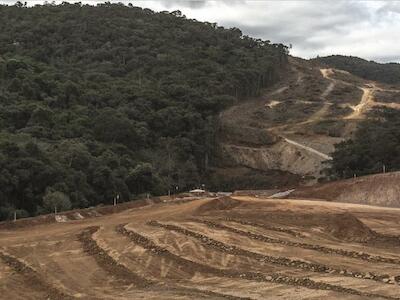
[(209, 248), (380, 190), (293, 127)]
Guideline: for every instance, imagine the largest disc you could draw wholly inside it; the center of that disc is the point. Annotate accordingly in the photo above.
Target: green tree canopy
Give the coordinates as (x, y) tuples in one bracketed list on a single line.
[(114, 99)]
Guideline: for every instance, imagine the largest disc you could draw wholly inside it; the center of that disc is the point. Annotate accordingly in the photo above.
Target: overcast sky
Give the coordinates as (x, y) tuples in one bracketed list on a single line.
[(368, 29)]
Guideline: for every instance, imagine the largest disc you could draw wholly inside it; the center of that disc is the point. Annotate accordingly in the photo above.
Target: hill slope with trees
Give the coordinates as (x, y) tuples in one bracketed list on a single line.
[(107, 100), (386, 73), (374, 146)]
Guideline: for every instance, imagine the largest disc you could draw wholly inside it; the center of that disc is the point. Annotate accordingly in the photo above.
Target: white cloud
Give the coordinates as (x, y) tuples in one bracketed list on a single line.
[(368, 29)]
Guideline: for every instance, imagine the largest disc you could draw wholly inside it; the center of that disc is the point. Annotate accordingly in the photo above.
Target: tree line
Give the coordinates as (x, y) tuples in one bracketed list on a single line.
[(371, 70)]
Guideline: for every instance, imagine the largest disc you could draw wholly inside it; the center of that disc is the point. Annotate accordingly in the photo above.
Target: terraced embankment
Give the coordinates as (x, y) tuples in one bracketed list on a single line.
[(210, 248)]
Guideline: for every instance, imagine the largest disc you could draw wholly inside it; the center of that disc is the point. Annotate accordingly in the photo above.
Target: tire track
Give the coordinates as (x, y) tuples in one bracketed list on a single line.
[(254, 276), (33, 278), (106, 262), (283, 261), (188, 266), (322, 249), (265, 226)]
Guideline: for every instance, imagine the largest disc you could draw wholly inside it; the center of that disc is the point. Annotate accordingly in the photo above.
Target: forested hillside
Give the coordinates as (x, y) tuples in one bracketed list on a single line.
[(376, 145), (386, 73), (106, 100)]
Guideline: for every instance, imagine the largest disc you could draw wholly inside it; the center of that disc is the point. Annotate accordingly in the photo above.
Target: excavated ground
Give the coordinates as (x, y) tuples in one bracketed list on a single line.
[(207, 248), (295, 124)]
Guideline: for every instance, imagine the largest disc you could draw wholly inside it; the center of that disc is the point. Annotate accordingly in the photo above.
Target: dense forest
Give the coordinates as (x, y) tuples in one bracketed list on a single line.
[(386, 73), (376, 145), (114, 99)]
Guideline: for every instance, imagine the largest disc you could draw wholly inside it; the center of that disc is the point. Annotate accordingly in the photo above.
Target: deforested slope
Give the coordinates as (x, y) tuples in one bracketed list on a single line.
[(317, 122)]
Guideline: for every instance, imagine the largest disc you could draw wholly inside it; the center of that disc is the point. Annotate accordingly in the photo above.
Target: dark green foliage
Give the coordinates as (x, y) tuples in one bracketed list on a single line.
[(330, 127), (376, 143), (111, 99), (387, 73), (55, 201)]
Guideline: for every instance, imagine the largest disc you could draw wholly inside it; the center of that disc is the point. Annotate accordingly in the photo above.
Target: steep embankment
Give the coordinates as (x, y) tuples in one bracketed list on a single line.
[(302, 118), (380, 190)]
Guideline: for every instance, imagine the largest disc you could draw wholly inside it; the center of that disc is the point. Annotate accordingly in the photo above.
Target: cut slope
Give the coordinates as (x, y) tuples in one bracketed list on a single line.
[(380, 190)]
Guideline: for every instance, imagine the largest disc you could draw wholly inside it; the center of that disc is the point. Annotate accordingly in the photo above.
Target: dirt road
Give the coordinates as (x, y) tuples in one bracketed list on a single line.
[(365, 104), (309, 149)]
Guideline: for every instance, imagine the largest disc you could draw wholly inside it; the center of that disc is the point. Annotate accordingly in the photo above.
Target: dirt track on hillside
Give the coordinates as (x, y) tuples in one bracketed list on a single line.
[(309, 111), (210, 248)]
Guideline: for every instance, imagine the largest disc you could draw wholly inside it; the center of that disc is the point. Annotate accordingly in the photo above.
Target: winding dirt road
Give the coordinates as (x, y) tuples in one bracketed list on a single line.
[(365, 104)]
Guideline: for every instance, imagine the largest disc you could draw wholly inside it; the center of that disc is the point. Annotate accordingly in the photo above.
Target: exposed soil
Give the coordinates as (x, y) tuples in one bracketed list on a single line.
[(220, 246), (380, 190), (191, 266), (219, 204), (353, 254), (237, 247), (33, 278), (294, 125), (109, 264), (347, 227)]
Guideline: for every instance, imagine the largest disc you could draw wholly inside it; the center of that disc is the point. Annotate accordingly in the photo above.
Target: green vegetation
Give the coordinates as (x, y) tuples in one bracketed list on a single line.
[(387, 73), (376, 143), (112, 99), (56, 201), (330, 127)]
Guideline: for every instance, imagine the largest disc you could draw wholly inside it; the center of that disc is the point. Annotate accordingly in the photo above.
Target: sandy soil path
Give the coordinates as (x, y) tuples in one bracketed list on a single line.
[(309, 149)]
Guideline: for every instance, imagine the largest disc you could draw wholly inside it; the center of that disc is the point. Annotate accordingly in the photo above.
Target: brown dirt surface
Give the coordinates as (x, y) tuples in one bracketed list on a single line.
[(238, 247), (219, 204), (347, 227), (379, 190)]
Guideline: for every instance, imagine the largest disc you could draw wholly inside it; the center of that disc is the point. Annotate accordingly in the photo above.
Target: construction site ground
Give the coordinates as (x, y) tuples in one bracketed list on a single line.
[(239, 247)]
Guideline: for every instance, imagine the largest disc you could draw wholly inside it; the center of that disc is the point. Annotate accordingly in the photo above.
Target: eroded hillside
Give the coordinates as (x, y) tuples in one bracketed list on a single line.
[(294, 126)]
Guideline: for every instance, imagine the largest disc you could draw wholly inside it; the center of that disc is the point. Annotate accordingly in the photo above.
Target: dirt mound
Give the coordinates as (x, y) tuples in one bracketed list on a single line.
[(222, 203), (347, 227), (342, 226)]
